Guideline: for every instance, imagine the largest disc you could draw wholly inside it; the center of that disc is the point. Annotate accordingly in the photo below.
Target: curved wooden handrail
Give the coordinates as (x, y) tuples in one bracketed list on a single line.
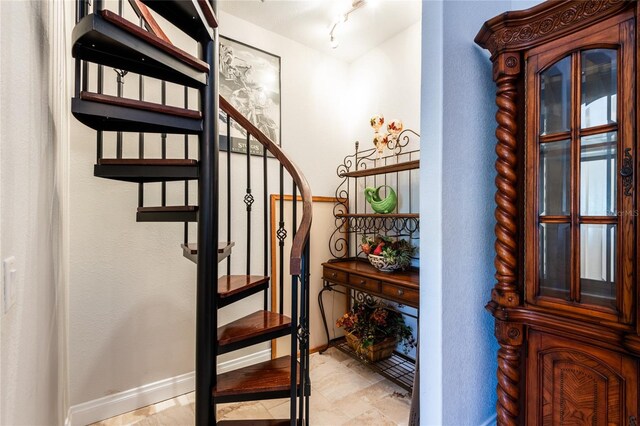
[(302, 234)]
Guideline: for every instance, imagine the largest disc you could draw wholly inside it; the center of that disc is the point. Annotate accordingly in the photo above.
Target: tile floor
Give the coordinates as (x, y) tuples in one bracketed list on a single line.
[(343, 393)]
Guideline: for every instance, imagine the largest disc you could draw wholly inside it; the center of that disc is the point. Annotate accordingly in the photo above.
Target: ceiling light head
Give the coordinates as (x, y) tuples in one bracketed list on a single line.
[(334, 42), (342, 18)]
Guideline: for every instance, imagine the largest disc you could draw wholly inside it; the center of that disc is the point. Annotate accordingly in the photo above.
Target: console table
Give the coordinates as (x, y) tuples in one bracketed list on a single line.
[(362, 281)]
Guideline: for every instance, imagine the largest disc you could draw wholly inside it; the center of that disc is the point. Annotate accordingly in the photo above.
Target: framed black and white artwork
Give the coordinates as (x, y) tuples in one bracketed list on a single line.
[(250, 81)]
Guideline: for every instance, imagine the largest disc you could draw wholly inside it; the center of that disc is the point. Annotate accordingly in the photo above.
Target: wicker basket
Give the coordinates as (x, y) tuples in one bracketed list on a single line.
[(377, 351)]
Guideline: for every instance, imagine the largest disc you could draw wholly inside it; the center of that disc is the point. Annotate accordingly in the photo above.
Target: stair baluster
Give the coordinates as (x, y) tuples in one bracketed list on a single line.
[(282, 234), (186, 157), (229, 190), (265, 196), (248, 200)]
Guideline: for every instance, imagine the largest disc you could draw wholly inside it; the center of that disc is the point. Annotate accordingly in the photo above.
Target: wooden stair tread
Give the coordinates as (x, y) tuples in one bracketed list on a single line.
[(146, 170), (167, 214), (143, 105), (110, 113), (100, 40), (255, 324), (146, 162), (229, 285), (269, 376), (154, 40), (261, 422), (168, 209)]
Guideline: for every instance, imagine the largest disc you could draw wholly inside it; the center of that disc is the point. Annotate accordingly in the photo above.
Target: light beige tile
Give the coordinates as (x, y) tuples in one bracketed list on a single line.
[(224, 409), (113, 421), (321, 411), (337, 384), (244, 410), (280, 411), (396, 407), (327, 367), (338, 355), (183, 400), (377, 396), (361, 369), (370, 418), (174, 416), (354, 404), (270, 403), (137, 415), (169, 403), (343, 392), (317, 358)]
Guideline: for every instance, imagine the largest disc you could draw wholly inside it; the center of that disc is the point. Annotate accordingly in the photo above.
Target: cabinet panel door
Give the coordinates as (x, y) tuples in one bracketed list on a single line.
[(573, 384), (580, 208)]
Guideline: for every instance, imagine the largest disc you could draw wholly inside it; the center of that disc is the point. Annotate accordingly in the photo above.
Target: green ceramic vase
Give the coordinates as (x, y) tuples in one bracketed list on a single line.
[(372, 195)]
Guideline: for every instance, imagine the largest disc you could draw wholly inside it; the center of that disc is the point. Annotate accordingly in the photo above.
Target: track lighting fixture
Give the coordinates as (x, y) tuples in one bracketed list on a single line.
[(340, 19)]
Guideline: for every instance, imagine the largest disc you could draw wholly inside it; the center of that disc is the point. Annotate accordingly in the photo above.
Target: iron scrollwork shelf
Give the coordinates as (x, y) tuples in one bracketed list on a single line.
[(354, 218), (397, 224)]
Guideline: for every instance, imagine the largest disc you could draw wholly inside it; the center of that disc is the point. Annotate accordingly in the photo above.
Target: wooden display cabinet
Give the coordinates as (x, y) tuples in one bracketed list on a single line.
[(566, 297)]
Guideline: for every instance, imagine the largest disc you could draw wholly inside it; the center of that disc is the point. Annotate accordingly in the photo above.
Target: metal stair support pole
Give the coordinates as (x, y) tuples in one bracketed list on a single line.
[(206, 316)]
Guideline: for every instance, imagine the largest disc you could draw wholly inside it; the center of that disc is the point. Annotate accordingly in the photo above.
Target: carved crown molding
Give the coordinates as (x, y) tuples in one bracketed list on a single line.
[(527, 28)]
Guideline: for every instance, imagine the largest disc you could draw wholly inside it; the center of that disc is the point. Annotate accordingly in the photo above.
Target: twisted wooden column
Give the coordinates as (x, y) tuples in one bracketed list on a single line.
[(505, 292), (509, 337)]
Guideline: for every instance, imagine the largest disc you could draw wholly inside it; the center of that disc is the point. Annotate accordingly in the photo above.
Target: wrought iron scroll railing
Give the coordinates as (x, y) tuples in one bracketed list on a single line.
[(354, 218), (299, 256)]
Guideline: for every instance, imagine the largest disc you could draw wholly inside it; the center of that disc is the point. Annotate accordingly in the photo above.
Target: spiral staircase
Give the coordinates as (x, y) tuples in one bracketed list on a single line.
[(105, 44)]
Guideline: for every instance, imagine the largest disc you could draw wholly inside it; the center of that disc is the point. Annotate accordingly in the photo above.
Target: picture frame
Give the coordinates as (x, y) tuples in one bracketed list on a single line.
[(250, 79)]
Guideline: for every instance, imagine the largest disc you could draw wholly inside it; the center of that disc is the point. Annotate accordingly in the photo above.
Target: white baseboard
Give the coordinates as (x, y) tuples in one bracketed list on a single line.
[(152, 393), (490, 421), (243, 361)]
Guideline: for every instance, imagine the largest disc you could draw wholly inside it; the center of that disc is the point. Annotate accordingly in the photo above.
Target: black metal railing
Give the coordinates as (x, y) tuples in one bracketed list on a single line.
[(275, 170), (285, 176)]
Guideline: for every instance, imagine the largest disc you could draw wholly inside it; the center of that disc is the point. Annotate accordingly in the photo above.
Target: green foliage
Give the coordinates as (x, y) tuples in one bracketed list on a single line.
[(398, 251), (374, 323)]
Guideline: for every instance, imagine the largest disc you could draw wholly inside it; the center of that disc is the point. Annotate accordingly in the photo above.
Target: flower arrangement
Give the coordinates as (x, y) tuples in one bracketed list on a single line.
[(381, 140), (373, 324), (386, 254)]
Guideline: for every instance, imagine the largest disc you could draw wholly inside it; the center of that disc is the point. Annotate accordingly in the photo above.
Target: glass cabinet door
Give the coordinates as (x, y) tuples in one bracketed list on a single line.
[(581, 217)]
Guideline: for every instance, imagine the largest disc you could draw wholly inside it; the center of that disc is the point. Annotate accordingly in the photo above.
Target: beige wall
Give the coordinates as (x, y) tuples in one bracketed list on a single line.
[(131, 293), (132, 298), (34, 115), (386, 80)]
